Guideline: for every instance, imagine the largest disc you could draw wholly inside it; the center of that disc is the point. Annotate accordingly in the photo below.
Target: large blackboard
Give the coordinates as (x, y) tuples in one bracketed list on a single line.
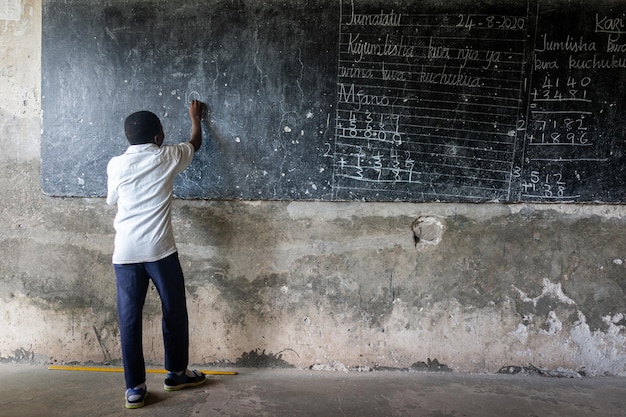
[(392, 100)]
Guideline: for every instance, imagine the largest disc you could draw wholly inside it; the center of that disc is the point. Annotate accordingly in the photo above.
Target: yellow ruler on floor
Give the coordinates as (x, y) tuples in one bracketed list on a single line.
[(112, 369)]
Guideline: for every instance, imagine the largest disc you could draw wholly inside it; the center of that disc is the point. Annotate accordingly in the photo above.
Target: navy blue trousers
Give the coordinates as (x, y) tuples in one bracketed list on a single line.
[(132, 286)]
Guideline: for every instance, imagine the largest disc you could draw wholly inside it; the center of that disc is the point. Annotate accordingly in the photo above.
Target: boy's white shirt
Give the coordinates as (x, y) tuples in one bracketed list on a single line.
[(141, 182)]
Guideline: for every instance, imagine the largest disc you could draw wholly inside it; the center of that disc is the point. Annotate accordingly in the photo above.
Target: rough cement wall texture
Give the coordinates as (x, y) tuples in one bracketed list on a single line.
[(323, 285)]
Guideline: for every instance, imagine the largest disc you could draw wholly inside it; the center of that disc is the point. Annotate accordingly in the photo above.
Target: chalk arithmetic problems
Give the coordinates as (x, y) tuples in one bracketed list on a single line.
[(571, 141), (458, 106), (428, 104)]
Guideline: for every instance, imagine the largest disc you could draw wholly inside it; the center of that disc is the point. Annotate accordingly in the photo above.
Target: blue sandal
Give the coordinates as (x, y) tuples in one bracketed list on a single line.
[(175, 382), (135, 397)]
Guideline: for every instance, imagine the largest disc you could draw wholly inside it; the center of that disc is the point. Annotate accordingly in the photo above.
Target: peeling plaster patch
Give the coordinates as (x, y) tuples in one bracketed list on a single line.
[(599, 353), (613, 322), (549, 290), (20, 355), (521, 333), (428, 231), (613, 319), (553, 324)]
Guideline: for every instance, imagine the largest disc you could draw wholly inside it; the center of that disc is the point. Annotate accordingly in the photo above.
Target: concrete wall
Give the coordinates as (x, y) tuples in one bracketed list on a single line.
[(303, 284)]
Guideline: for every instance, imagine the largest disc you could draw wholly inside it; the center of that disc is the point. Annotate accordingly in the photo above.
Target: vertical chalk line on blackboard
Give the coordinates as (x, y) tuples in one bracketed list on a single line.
[(334, 150), (522, 158), (517, 131)]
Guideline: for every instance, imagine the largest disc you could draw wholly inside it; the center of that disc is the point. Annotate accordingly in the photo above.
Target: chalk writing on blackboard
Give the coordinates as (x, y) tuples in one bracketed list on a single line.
[(455, 101), (565, 140), (428, 105)]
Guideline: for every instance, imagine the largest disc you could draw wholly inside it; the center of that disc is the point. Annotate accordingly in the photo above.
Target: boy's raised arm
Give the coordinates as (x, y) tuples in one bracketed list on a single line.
[(195, 114)]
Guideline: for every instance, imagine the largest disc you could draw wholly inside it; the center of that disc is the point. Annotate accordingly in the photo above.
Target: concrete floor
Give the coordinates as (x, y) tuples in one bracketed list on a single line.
[(35, 391)]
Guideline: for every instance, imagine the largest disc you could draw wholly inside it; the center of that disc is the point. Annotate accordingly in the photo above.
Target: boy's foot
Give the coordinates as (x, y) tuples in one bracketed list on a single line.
[(135, 397), (175, 382)]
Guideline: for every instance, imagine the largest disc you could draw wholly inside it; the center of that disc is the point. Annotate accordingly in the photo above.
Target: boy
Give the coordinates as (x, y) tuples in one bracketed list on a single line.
[(140, 182)]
